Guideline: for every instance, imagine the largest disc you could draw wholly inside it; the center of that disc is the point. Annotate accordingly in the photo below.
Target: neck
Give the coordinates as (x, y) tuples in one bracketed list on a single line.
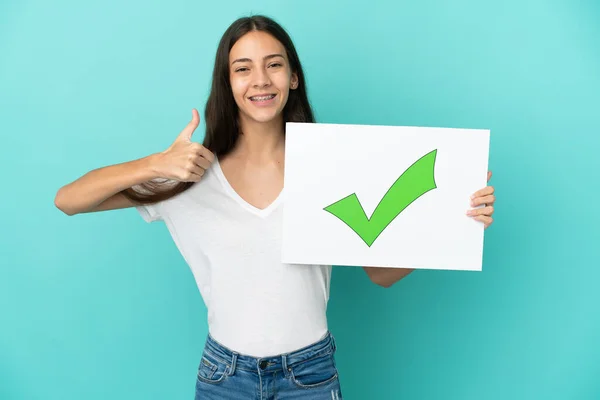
[(261, 142)]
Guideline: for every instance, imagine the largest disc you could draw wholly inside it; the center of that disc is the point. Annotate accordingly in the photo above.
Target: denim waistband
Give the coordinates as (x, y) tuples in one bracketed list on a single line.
[(273, 363)]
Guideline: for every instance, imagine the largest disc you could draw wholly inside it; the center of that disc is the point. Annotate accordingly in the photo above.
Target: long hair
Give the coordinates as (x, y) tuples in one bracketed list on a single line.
[(221, 111)]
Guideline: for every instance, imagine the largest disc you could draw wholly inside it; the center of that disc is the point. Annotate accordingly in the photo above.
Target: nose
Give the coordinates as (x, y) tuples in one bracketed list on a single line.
[(261, 78)]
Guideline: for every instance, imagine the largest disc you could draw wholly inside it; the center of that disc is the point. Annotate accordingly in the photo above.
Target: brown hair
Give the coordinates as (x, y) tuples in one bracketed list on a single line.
[(221, 111)]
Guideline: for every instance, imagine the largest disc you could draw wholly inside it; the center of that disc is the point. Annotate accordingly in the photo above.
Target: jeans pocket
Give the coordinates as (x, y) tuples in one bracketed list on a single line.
[(316, 372), (212, 369)]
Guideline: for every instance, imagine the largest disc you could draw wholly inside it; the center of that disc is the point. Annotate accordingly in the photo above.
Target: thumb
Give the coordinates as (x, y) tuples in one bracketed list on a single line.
[(188, 131)]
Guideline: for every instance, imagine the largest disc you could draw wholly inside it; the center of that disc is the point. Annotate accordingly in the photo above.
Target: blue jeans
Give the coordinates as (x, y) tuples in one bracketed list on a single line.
[(308, 373)]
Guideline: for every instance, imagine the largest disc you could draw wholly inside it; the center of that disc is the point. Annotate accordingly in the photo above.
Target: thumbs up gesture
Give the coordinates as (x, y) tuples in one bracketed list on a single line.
[(184, 160)]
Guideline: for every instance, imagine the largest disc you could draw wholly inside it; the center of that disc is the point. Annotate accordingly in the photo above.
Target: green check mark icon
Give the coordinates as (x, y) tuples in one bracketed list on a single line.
[(417, 180)]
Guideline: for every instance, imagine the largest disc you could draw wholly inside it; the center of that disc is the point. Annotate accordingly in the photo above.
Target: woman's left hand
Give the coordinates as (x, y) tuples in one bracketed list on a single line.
[(486, 197)]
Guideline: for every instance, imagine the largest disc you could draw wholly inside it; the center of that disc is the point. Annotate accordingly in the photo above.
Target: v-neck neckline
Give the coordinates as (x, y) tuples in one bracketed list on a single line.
[(261, 212)]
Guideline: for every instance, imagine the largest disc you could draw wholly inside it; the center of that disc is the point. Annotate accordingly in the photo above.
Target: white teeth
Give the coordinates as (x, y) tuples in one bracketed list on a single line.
[(261, 98)]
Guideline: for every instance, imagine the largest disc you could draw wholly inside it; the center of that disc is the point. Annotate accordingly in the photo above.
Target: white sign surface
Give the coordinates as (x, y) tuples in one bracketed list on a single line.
[(387, 196)]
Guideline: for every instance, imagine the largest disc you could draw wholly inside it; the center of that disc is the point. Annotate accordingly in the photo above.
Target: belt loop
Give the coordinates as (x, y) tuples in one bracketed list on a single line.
[(333, 346), (284, 365), (233, 363)]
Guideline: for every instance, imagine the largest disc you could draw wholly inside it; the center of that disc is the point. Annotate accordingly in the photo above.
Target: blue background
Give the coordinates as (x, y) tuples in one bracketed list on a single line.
[(102, 306)]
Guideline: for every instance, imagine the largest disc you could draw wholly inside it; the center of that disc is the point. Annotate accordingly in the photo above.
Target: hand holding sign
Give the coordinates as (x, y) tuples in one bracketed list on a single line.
[(486, 197)]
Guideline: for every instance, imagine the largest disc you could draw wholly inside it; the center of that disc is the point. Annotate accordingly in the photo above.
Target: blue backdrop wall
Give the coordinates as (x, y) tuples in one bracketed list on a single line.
[(103, 306)]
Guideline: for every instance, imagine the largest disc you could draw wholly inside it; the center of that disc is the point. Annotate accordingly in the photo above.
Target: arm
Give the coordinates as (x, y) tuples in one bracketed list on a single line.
[(99, 189), (386, 277)]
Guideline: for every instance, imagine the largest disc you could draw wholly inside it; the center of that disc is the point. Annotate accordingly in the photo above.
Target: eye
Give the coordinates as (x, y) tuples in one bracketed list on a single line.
[(241, 69), (275, 64)]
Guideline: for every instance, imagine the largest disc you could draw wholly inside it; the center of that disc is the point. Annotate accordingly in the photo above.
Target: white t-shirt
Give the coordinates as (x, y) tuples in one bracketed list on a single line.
[(256, 305)]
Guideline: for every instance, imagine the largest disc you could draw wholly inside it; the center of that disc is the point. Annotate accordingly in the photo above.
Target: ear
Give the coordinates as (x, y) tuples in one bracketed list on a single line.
[(294, 81)]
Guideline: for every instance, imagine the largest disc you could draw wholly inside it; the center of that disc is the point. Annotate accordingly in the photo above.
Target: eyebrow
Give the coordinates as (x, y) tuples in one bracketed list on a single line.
[(264, 58)]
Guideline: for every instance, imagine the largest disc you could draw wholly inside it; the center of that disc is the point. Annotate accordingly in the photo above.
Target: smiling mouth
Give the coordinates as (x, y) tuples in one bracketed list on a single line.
[(262, 98)]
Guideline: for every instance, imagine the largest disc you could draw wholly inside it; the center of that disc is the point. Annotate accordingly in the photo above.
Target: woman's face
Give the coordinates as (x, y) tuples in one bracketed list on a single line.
[(260, 76)]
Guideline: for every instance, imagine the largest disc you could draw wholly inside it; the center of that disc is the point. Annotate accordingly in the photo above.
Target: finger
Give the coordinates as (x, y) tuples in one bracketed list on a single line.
[(489, 175), (190, 175), (483, 200), (489, 210), (194, 178), (487, 221), (195, 168), (202, 162), (188, 131), (483, 192), (204, 152)]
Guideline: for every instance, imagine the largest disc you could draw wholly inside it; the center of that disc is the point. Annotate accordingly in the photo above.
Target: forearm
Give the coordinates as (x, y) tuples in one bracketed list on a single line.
[(100, 184), (386, 277)]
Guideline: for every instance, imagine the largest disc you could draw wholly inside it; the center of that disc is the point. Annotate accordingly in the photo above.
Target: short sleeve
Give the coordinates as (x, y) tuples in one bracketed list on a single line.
[(150, 212), (153, 211)]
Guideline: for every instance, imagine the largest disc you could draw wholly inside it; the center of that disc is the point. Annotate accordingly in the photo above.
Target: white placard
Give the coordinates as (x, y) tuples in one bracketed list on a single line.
[(332, 170)]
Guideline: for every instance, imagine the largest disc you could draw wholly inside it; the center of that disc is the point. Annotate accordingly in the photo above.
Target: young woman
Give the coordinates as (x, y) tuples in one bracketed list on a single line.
[(221, 201)]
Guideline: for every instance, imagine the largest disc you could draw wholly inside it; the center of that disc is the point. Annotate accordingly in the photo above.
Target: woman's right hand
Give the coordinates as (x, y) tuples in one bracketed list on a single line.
[(184, 160)]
